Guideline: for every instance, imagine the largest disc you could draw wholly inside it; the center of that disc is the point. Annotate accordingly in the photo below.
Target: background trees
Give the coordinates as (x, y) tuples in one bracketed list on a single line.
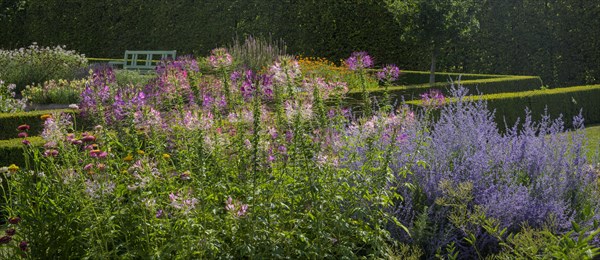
[(436, 23), (555, 39)]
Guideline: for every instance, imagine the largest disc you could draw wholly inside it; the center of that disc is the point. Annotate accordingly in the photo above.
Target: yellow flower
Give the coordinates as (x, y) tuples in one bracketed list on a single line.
[(166, 156), (45, 116), (128, 158), (13, 168), (141, 152)]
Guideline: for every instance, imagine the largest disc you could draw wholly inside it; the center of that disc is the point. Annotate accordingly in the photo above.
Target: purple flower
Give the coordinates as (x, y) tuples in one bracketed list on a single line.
[(235, 76), (359, 60), (207, 100), (282, 149), (88, 167), (5, 240), (229, 206), (160, 213), (220, 58), (23, 246), (10, 232), (50, 153), (22, 135), (389, 73), (242, 211), (88, 138), (433, 98)]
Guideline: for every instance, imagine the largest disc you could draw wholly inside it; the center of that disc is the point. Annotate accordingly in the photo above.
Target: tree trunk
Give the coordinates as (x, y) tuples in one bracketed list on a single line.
[(432, 70)]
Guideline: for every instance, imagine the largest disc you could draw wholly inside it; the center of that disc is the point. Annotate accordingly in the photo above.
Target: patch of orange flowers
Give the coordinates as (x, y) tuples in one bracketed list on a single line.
[(321, 67)]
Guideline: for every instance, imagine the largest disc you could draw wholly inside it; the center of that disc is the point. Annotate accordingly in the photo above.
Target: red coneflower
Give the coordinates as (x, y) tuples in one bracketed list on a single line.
[(23, 128)]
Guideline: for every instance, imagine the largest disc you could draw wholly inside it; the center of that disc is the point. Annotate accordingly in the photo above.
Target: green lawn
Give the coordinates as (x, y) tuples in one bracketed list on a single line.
[(593, 135)]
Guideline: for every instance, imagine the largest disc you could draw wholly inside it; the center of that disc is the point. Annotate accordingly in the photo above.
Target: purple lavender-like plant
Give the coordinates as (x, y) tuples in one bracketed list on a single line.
[(531, 174)]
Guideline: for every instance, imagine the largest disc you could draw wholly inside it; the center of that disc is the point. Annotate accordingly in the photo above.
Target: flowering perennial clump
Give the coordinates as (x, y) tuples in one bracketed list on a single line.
[(359, 60), (389, 73), (272, 164)]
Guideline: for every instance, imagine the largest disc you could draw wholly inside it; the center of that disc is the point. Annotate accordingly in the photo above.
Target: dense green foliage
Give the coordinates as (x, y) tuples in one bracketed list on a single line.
[(436, 23), (36, 64), (551, 38)]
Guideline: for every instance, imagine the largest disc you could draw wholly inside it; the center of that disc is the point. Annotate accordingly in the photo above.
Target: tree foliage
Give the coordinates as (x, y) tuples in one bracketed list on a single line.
[(436, 23)]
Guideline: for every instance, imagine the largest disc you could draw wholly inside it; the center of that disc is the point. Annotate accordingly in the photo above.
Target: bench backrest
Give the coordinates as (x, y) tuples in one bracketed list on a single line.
[(145, 60)]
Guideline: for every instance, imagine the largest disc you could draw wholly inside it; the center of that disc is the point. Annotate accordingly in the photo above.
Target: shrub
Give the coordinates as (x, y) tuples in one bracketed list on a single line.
[(126, 77), (531, 175), (36, 64), (55, 92), (174, 178), (8, 101), (256, 165)]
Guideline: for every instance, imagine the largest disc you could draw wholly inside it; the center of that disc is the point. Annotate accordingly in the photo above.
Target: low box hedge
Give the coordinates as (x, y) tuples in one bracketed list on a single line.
[(490, 85), (10, 121), (11, 150), (410, 77), (567, 102)]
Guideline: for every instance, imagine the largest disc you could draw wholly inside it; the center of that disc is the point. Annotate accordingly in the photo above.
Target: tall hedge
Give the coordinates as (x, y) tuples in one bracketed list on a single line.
[(553, 39)]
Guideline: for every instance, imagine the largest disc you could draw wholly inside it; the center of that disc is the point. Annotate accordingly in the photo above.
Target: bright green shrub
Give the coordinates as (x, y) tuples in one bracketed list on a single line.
[(125, 77), (36, 64), (55, 92), (8, 100), (10, 121)]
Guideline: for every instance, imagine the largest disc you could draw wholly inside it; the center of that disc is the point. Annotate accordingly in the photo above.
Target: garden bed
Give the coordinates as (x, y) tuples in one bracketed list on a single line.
[(248, 165)]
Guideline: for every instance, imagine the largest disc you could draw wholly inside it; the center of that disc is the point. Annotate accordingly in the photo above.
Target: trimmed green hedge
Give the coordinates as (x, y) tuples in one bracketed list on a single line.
[(486, 84), (411, 77), (10, 121), (560, 101), (11, 151)]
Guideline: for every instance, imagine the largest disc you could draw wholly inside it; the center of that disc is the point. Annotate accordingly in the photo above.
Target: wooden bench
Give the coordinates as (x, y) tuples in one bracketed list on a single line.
[(142, 60)]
